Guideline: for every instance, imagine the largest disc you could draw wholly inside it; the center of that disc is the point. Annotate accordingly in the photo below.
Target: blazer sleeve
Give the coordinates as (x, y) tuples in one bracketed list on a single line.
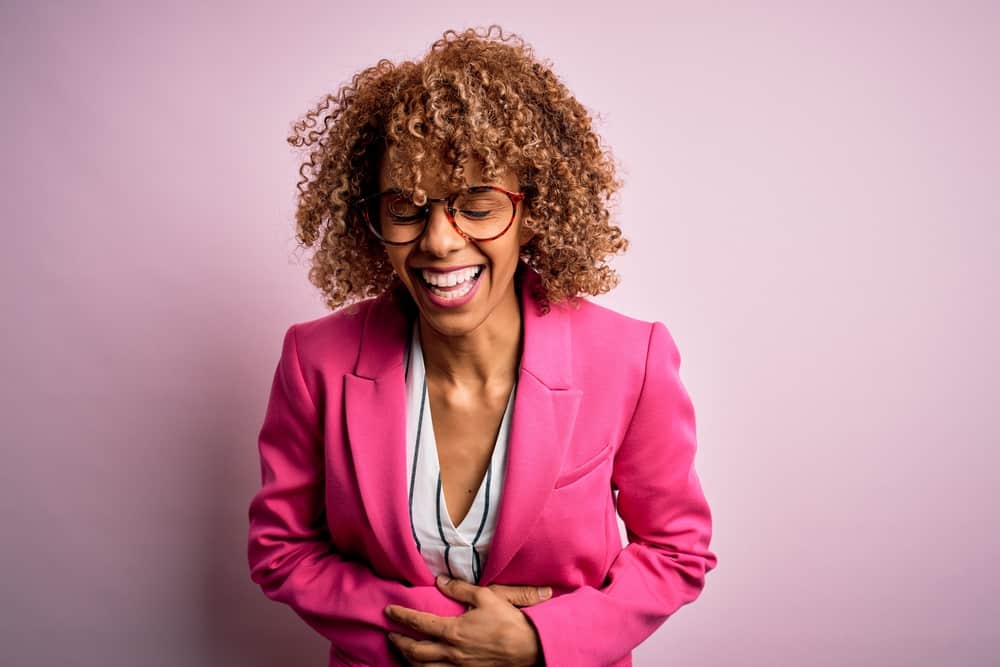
[(290, 553), (668, 524)]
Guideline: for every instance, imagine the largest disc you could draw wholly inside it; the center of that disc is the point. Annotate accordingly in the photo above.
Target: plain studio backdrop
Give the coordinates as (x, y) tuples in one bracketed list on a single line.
[(811, 197)]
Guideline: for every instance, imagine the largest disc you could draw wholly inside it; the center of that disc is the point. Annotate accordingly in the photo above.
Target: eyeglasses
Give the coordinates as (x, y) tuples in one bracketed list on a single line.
[(478, 213)]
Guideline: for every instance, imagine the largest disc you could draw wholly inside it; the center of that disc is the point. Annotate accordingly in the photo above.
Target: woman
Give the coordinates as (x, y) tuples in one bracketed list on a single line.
[(464, 411)]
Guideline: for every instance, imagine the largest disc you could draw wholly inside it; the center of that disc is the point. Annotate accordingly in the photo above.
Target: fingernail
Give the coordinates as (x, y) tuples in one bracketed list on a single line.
[(545, 592), (443, 579)]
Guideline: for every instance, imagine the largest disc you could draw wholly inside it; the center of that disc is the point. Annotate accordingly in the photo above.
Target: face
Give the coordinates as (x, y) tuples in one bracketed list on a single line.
[(442, 249)]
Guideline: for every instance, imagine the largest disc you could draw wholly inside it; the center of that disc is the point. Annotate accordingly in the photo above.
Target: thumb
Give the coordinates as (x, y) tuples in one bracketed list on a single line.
[(522, 596), (457, 589)]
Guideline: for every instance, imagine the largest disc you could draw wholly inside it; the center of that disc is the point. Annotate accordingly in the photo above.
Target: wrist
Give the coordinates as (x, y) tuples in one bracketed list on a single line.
[(534, 655)]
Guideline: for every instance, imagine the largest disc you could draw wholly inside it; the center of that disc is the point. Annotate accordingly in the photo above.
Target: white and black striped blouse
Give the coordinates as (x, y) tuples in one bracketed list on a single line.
[(458, 552)]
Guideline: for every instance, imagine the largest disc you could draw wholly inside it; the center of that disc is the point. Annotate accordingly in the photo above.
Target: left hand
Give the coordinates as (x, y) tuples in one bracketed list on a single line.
[(492, 633)]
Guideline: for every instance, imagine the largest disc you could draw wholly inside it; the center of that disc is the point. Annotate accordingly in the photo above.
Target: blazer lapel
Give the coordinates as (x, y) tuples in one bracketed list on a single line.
[(545, 407), (375, 408)]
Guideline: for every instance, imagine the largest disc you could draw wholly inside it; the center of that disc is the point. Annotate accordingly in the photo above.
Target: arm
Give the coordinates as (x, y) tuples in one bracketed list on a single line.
[(290, 553), (667, 520)]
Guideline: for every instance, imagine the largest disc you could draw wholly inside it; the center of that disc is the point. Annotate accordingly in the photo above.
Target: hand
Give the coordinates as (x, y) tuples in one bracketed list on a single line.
[(521, 596), (492, 633)]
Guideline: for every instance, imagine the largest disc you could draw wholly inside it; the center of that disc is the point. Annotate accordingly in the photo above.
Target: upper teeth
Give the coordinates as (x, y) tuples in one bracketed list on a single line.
[(450, 278)]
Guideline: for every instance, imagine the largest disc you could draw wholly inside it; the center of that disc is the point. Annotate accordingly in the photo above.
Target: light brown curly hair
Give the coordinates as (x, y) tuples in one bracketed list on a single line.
[(470, 96)]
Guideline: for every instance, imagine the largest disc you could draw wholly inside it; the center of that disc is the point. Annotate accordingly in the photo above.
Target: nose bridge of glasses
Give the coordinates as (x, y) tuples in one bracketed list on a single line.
[(445, 208), (443, 227)]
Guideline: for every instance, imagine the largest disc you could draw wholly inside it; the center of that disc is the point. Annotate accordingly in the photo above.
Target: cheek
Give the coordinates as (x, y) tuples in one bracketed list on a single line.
[(503, 262), (503, 258)]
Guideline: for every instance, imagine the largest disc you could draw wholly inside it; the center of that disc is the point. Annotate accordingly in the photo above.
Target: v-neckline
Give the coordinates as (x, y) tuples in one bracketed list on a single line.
[(432, 445), (489, 469)]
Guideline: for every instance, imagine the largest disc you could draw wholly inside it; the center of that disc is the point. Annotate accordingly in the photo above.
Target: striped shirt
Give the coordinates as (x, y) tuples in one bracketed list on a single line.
[(460, 552)]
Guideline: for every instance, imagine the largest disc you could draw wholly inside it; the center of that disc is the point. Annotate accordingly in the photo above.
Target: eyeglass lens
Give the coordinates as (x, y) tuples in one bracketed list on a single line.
[(479, 213)]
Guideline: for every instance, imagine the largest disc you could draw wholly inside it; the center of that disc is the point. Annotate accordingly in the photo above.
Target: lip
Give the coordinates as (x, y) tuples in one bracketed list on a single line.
[(445, 269), (449, 303)]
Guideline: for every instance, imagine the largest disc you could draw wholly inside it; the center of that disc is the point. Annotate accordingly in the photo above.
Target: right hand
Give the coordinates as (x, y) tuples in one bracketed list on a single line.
[(520, 596)]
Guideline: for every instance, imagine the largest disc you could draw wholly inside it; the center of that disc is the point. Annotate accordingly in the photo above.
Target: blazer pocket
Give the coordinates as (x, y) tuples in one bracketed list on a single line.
[(575, 473)]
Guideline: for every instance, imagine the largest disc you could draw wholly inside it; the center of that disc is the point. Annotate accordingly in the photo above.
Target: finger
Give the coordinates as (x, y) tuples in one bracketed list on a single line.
[(461, 590), (425, 651), (522, 596), (426, 622)]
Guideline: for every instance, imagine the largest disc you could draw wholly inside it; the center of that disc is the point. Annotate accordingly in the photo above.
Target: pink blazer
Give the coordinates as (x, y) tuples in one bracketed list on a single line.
[(601, 423)]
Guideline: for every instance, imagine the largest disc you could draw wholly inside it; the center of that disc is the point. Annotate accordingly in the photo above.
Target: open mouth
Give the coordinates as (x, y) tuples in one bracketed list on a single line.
[(453, 291)]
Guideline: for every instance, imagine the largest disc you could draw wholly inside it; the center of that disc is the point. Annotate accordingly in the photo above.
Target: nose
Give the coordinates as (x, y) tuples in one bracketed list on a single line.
[(439, 237)]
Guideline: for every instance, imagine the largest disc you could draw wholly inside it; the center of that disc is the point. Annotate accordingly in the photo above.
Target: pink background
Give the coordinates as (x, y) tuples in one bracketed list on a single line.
[(811, 195)]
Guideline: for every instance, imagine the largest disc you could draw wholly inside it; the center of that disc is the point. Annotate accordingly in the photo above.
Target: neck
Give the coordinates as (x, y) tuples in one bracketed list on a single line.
[(487, 355)]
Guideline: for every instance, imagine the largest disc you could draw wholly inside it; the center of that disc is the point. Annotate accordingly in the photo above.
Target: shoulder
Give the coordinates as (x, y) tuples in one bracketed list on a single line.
[(334, 335), (601, 333), (599, 324), (592, 314), (341, 321)]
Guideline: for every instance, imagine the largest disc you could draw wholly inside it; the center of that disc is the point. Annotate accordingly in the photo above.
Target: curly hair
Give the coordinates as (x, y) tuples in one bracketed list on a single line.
[(470, 96)]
